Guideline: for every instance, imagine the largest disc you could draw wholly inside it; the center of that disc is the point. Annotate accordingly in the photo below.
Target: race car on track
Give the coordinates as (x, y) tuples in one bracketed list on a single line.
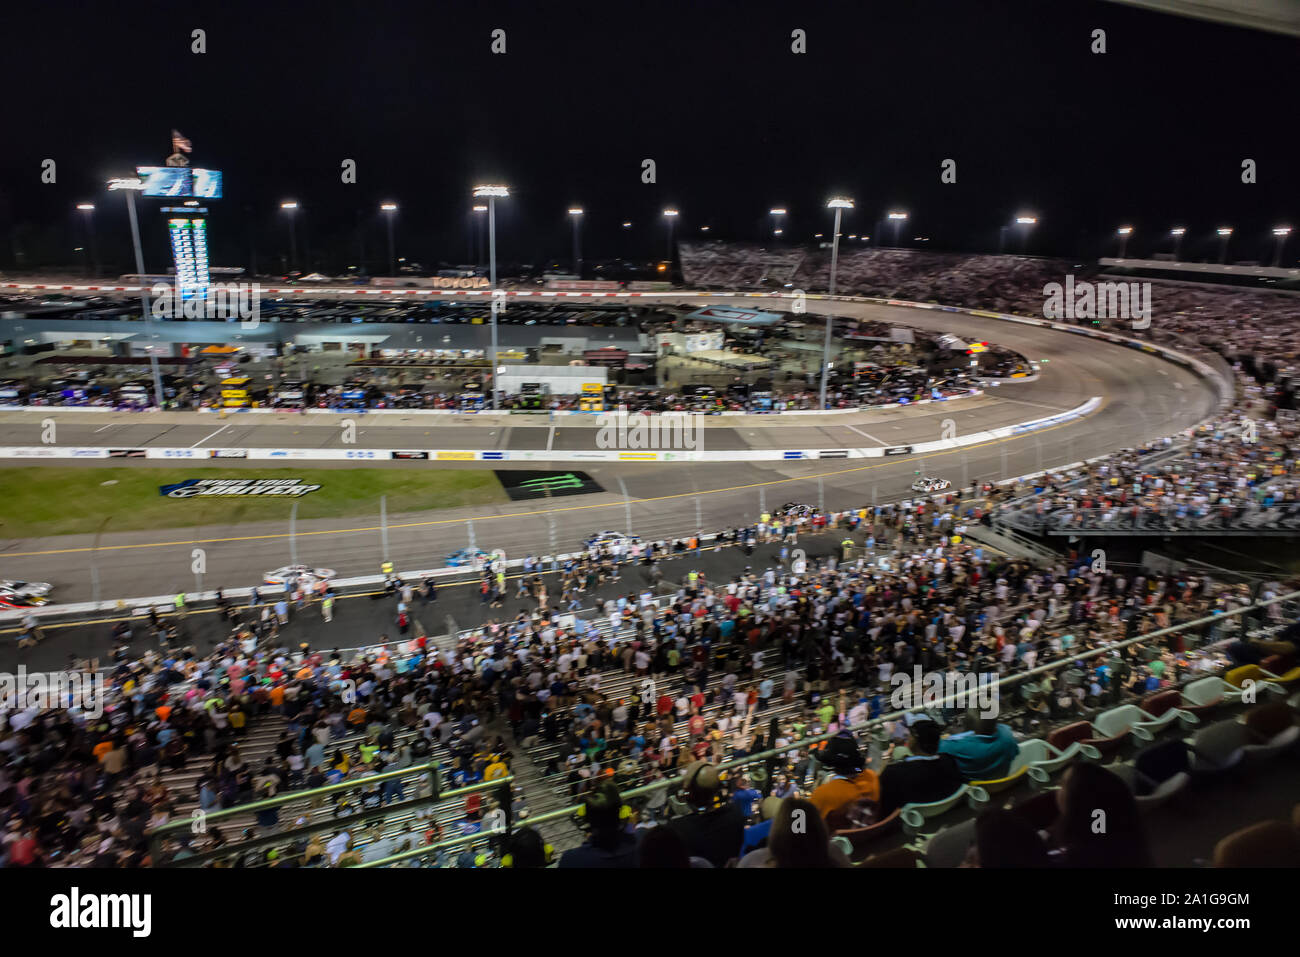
[(473, 557), (15, 594), (930, 484), (303, 575), (796, 510), (606, 538)]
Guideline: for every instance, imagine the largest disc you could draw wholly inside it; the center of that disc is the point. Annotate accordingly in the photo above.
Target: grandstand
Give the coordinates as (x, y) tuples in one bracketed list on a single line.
[(434, 719)]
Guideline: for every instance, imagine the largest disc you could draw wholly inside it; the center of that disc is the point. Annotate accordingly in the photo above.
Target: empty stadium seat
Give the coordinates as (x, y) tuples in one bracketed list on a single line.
[(1204, 695), (1082, 732), (1272, 730), (915, 815), (1045, 759), (948, 848), (1266, 844), (1218, 748), (1253, 677), (1135, 721), (1156, 774), (863, 838)]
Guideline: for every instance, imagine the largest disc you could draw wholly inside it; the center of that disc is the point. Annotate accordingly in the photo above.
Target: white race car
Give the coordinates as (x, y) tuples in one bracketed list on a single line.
[(930, 484), (298, 574), (606, 538), (15, 594)]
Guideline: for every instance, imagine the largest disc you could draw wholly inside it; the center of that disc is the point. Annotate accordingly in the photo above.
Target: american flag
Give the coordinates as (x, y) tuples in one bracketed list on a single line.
[(180, 143)]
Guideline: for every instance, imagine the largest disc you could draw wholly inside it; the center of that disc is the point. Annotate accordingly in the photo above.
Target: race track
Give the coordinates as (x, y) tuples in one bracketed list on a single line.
[(1143, 397)]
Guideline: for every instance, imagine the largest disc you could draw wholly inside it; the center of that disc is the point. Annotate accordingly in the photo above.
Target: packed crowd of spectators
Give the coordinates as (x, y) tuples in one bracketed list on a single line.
[(1004, 283), (1260, 329), (1234, 471), (79, 790)]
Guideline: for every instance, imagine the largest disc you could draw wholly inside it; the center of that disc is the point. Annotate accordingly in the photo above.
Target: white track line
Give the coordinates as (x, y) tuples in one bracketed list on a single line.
[(206, 437), (1041, 405), (866, 435)]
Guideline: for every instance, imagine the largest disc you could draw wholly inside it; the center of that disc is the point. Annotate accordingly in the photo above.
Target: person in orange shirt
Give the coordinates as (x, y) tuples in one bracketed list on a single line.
[(163, 711), (849, 783), (277, 697)]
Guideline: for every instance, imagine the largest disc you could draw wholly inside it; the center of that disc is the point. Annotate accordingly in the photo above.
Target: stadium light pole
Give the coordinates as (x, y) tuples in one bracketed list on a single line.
[(1225, 233), (778, 215), (479, 238), (670, 217), (1028, 222), (1280, 233), (839, 204), (1124, 232), (131, 186), (490, 193), (391, 210), (89, 210), (291, 208), (897, 218), (1177, 232), (575, 214)]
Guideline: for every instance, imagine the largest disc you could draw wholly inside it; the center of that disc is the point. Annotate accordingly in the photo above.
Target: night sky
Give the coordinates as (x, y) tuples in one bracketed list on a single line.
[(1152, 133)]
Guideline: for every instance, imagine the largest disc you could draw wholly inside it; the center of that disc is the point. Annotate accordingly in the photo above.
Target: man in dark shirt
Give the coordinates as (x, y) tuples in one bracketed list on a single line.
[(715, 828), (608, 844), (924, 776)]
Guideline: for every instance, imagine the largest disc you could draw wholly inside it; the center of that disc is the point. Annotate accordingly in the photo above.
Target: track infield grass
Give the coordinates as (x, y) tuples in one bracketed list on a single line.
[(45, 501)]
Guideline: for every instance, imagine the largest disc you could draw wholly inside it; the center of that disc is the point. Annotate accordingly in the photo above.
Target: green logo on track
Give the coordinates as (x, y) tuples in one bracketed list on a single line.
[(551, 482)]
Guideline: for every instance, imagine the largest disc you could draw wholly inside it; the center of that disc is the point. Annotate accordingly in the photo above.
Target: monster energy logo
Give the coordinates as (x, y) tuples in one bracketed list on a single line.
[(532, 485), (552, 482)]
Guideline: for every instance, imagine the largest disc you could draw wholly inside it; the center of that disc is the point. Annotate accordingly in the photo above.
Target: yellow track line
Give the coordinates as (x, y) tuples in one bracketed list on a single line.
[(514, 515)]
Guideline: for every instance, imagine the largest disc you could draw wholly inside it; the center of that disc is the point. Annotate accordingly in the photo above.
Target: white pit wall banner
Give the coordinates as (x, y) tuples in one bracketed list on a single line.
[(537, 455)]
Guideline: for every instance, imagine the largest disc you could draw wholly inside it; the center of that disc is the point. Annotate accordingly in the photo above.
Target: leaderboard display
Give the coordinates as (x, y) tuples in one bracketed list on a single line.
[(187, 225), (189, 236)]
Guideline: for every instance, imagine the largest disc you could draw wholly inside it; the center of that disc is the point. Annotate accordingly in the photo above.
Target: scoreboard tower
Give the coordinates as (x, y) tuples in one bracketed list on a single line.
[(188, 228)]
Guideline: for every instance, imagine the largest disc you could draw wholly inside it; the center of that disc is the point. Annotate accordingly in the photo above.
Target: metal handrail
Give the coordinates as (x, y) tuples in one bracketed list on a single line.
[(289, 797), (361, 817)]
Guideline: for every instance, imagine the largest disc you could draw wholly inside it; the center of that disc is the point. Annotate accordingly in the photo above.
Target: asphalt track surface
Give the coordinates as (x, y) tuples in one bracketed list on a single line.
[(1143, 397), (363, 617)]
